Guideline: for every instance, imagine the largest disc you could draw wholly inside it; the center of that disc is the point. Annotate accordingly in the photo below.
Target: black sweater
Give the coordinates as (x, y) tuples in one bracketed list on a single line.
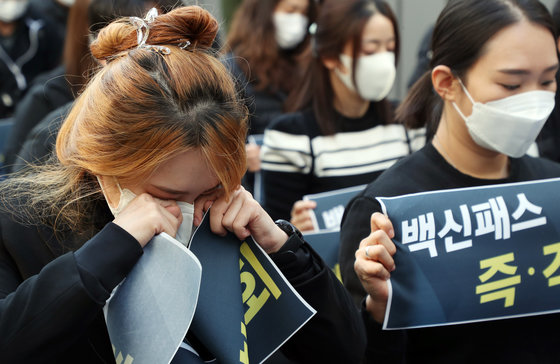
[(522, 340), (53, 288), (297, 159)]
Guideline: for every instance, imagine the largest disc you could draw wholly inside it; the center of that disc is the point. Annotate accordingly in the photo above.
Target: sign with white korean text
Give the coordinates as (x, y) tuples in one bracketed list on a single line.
[(330, 207), (474, 254)]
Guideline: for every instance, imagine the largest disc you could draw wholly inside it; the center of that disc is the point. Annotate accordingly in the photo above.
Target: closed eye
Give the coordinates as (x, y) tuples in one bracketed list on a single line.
[(510, 87)]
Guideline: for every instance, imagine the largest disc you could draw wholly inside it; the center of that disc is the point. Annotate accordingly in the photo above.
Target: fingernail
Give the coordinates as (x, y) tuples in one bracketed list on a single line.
[(392, 233)]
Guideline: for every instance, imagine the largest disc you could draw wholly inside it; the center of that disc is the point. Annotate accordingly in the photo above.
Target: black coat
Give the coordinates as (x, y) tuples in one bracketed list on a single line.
[(34, 48), (53, 288)]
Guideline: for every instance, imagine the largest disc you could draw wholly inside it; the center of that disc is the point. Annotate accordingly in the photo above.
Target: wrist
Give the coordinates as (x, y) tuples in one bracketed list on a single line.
[(284, 230), (376, 311)]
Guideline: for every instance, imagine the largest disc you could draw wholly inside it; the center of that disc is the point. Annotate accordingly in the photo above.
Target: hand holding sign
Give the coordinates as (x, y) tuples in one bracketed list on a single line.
[(301, 215), (374, 262), (242, 215)]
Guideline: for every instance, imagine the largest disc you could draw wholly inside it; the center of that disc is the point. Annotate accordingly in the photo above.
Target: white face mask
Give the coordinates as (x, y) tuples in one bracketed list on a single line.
[(11, 10), (67, 3), (509, 125), (185, 230), (290, 29), (375, 75), (187, 210)]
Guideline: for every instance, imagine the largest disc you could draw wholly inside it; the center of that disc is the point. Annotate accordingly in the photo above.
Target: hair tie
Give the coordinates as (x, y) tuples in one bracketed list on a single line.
[(143, 31), (184, 45)]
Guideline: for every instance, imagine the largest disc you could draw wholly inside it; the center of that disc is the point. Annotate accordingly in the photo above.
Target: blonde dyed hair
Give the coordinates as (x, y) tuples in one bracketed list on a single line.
[(142, 108)]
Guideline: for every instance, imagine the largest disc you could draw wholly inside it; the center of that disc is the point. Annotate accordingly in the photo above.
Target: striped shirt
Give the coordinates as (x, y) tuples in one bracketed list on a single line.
[(298, 160)]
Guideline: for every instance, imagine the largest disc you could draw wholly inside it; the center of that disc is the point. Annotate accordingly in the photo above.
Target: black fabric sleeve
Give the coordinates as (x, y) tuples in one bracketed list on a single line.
[(355, 226), (107, 257), (336, 333), (383, 346), (47, 313)]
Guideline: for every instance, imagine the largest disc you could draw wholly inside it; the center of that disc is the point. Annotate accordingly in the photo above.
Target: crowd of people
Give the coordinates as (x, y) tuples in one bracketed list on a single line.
[(138, 125)]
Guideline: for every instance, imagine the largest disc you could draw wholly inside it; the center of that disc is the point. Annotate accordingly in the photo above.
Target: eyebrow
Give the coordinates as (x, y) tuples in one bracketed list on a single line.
[(170, 190), (526, 72), (175, 192), (377, 40)]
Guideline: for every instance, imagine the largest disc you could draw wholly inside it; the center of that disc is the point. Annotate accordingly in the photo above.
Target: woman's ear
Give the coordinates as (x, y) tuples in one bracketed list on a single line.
[(445, 83), (332, 63)]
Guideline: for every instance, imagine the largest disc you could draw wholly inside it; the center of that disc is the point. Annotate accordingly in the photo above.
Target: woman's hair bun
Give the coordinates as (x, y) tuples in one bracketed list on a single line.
[(184, 24)]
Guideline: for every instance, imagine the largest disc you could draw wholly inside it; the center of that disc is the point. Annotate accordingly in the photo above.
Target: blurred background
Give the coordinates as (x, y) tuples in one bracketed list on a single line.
[(415, 19)]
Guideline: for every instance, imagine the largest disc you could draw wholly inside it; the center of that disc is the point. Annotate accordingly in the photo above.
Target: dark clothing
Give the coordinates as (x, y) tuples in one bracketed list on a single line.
[(52, 11), (53, 288), (39, 144), (297, 159), (34, 48), (548, 140), (50, 91), (264, 105), (523, 340)]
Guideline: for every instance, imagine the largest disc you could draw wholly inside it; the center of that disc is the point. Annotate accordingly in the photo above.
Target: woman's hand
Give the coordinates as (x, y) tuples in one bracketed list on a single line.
[(374, 262), (146, 216), (243, 216), (253, 157), (301, 215)]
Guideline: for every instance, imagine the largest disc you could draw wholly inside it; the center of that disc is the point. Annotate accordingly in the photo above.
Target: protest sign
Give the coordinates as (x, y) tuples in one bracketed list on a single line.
[(474, 254), (326, 243), (247, 309), (330, 207), (151, 311)]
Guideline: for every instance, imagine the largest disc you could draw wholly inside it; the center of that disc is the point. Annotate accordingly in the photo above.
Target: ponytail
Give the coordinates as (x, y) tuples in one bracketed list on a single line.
[(421, 107)]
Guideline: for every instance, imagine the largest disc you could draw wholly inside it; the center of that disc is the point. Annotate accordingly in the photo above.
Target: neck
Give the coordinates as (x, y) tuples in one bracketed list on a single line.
[(347, 102), (459, 150)]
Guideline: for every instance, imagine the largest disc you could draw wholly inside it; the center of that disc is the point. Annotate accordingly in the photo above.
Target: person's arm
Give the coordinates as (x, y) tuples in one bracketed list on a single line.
[(383, 346), (46, 307), (47, 313), (354, 227), (336, 333)]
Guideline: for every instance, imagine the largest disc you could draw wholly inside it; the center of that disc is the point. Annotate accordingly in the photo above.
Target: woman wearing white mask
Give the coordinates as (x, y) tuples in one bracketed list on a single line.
[(154, 139), (263, 43), (493, 71), (341, 133), (264, 39)]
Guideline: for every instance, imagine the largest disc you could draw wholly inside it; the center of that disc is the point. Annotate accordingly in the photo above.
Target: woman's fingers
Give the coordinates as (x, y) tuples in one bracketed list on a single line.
[(203, 203), (379, 221), (301, 215), (146, 216)]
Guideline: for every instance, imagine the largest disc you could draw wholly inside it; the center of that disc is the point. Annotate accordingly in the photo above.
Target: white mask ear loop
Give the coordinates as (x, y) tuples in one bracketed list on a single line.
[(104, 192), (468, 95), (118, 185)]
